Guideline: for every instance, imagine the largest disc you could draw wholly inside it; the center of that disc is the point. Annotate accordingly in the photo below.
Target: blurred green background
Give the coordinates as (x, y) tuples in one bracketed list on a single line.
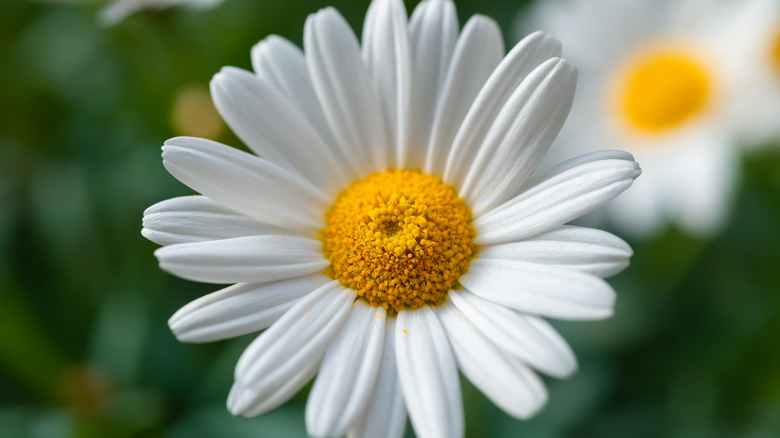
[(85, 351)]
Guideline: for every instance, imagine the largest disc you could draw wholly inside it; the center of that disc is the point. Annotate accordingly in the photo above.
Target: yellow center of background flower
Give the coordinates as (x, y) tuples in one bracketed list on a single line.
[(400, 238), (776, 51), (662, 90)]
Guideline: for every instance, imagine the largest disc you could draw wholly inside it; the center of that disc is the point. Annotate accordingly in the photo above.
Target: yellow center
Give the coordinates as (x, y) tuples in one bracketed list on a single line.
[(400, 238), (662, 90), (776, 51)]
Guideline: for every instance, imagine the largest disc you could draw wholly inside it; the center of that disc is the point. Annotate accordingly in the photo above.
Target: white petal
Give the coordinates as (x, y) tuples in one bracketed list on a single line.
[(433, 31), (348, 372), (641, 211), (583, 249), (240, 309), (246, 183), (479, 50), (541, 290), (243, 259), (247, 401), (520, 136), (345, 91), (117, 11), (196, 219), (512, 386), (386, 52), (275, 127), (280, 361), (711, 169), (528, 338), (283, 64), (385, 414), (521, 60), (571, 163), (428, 375), (556, 198)]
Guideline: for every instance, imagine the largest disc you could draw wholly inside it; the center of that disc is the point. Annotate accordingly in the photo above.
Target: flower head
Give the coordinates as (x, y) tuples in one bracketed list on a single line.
[(667, 81), (394, 230), (759, 57)]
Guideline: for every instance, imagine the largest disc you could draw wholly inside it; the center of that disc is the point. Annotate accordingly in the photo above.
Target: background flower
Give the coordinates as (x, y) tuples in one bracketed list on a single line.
[(85, 350), (669, 81), (759, 57), (118, 10), (113, 12)]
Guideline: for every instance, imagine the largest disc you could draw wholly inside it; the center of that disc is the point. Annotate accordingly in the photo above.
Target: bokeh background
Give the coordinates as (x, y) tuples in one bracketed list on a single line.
[(85, 351)]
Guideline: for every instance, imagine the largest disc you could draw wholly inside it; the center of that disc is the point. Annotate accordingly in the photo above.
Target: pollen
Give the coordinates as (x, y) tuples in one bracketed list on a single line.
[(663, 89), (400, 239)]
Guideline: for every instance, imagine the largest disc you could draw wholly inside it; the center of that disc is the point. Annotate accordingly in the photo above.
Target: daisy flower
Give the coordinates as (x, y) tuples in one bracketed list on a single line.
[(118, 10), (391, 230), (662, 80), (761, 62)]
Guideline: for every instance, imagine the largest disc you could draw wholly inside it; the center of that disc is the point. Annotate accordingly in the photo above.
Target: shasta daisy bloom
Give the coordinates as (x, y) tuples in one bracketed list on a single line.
[(118, 10), (662, 79), (351, 236)]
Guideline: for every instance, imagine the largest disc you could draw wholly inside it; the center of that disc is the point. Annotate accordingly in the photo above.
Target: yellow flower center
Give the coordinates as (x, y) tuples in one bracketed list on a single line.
[(776, 51), (400, 238), (661, 90)]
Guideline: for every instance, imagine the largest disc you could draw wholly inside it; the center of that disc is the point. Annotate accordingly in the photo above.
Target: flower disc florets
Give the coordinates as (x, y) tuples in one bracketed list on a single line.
[(663, 89), (400, 238)]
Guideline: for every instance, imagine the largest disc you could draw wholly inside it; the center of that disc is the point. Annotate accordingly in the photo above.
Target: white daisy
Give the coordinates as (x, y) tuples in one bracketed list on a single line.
[(760, 59), (352, 240), (662, 80), (118, 10)]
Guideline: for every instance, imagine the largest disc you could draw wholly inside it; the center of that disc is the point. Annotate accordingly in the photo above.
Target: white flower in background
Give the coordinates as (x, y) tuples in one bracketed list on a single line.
[(760, 60), (661, 79), (118, 10), (352, 240)]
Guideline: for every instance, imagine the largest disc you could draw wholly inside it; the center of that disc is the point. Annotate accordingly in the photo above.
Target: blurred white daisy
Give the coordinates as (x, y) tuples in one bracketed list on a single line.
[(118, 10), (384, 169), (760, 60), (661, 79)]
